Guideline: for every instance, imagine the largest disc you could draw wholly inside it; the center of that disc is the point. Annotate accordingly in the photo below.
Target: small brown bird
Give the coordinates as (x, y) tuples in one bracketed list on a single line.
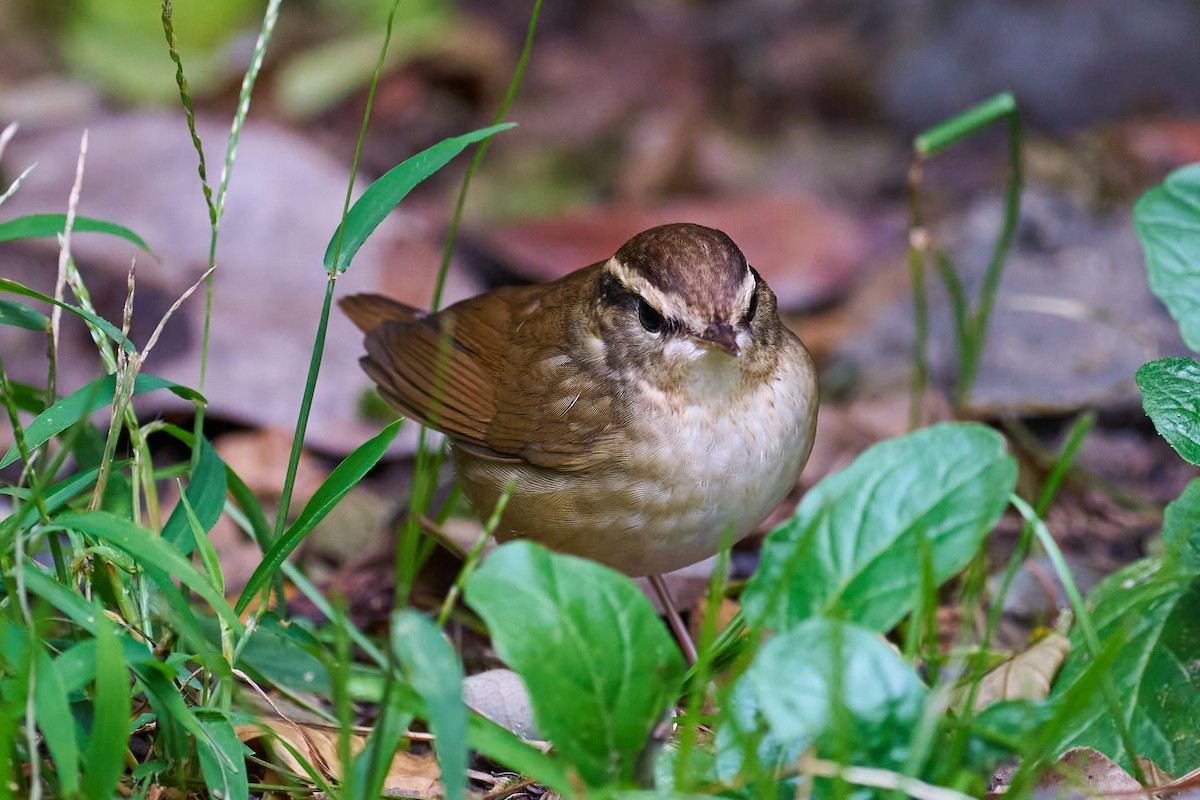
[(644, 405)]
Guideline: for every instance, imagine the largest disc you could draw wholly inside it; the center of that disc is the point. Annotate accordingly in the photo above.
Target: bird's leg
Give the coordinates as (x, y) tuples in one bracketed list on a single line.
[(673, 619)]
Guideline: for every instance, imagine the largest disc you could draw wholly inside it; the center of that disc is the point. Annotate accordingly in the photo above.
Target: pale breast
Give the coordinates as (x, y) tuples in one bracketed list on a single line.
[(688, 473)]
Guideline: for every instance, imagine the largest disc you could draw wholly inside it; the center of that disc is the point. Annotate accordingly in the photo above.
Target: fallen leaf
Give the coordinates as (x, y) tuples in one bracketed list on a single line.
[(409, 774), (1026, 676)]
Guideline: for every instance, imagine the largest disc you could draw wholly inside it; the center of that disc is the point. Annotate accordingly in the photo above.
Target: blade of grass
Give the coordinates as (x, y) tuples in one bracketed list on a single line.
[(37, 226), (1084, 620), (55, 720), (83, 402), (343, 478), (150, 550), (110, 714), (110, 330), (434, 671)]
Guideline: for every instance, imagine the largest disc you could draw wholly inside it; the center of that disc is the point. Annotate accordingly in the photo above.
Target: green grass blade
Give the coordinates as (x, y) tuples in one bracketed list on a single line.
[(110, 719), (208, 553), (19, 315), (222, 757), (343, 478), (58, 496), (205, 494), (385, 193), (36, 226), (433, 669), (110, 330), (250, 506), (79, 404), (152, 552), (56, 722)]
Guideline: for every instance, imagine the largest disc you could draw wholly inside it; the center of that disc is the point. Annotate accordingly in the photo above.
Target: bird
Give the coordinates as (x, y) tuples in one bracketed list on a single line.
[(644, 408)]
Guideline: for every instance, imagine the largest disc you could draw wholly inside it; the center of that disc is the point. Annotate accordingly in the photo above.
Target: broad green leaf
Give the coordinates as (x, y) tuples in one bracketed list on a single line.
[(1181, 527), (26, 398), (152, 553), (55, 720), (110, 718), (343, 478), (274, 653), (1171, 397), (853, 542), (41, 225), (19, 315), (830, 685), (432, 668), (109, 330), (615, 669), (76, 666), (1167, 220), (222, 756), (385, 193), (1151, 613), (205, 492), (87, 400)]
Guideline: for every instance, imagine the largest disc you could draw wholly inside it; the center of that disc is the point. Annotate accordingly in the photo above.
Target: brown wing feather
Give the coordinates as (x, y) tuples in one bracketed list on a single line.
[(369, 311), (479, 372)]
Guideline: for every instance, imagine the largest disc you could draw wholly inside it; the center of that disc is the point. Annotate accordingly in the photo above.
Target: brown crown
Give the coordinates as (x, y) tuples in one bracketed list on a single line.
[(701, 266)]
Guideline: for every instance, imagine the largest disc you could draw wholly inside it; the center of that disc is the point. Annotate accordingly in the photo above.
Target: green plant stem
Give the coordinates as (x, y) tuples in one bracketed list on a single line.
[(460, 203), (408, 555), (970, 324), (916, 277), (475, 554), (1084, 620), (310, 387)]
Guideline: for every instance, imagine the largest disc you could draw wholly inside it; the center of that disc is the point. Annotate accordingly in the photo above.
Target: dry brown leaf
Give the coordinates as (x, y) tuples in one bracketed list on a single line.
[(1026, 676), (410, 775), (1082, 771)]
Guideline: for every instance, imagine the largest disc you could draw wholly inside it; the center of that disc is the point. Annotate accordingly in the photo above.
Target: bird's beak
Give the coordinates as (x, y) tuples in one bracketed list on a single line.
[(723, 337)]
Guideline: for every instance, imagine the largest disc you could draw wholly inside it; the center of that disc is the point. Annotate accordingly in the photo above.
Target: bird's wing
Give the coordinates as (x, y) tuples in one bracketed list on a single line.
[(482, 371)]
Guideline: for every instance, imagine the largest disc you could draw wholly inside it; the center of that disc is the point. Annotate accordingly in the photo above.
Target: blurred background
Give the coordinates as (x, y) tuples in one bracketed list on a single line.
[(787, 124)]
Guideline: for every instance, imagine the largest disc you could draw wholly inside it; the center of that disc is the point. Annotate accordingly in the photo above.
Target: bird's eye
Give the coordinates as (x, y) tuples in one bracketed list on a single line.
[(651, 320), (749, 317)]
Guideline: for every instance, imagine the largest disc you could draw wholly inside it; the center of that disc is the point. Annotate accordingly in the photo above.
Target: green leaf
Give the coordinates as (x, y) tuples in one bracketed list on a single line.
[(36, 226), (1181, 527), (205, 493), (58, 496), (222, 756), (19, 315), (1167, 220), (153, 553), (432, 668), (343, 478), (615, 669), (87, 400), (386, 193), (110, 718), (830, 685), (1150, 613), (1171, 397), (55, 720), (109, 330), (853, 542)]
